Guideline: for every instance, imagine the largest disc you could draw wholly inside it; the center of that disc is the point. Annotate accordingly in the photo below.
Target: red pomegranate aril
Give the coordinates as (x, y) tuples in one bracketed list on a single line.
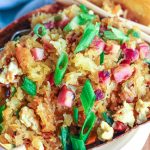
[(104, 76), (66, 97), (122, 72), (38, 53), (99, 94), (119, 126), (51, 79)]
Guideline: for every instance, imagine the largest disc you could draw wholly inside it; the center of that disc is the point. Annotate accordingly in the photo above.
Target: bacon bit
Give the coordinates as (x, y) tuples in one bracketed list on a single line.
[(144, 50), (104, 76), (48, 46), (38, 53), (66, 96), (111, 49), (27, 142), (98, 44), (122, 72), (51, 79), (119, 126), (46, 135), (62, 23)]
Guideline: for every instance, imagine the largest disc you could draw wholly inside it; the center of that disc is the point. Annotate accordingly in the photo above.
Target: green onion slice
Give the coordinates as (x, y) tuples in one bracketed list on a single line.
[(61, 68), (147, 61), (77, 144), (1, 112), (87, 97), (64, 137), (102, 58), (39, 30), (83, 8), (90, 32), (87, 126), (82, 19), (76, 114), (115, 34), (133, 33), (108, 119), (29, 86), (1, 128)]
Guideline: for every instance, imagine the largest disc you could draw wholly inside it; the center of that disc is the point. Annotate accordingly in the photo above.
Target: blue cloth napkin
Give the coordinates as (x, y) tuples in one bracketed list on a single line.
[(13, 9)]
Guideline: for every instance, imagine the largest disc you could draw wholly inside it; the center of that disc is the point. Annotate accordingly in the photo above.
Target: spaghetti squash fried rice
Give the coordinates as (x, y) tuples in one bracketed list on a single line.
[(73, 80)]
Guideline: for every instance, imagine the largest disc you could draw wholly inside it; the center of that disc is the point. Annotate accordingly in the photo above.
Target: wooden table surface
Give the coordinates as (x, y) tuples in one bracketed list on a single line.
[(147, 144)]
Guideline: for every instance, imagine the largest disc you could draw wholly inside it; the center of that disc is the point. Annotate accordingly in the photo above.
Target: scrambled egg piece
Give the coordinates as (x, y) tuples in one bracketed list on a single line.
[(47, 117), (72, 78), (142, 109), (28, 118), (125, 114), (60, 45), (67, 119), (37, 143), (84, 63), (105, 131), (8, 74)]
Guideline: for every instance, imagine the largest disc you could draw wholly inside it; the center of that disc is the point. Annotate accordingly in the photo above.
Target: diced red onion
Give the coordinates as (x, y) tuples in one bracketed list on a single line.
[(49, 25), (99, 94), (104, 76)]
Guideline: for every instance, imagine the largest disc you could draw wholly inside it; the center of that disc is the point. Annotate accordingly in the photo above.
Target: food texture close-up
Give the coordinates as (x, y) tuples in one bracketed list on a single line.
[(73, 77)]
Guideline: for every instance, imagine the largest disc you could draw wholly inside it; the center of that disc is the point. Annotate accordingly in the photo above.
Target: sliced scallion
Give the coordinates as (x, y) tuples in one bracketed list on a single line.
[(102, 58), (29, 86), (61, 68), (147, 61), (133, 33), (75, 114), (90, 32), (1, 112), (39, 30), (115, 34), (87, 97), (77, 144), (87, 126), (64, 135), (83, 8), (107, 118), (81, 19)]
